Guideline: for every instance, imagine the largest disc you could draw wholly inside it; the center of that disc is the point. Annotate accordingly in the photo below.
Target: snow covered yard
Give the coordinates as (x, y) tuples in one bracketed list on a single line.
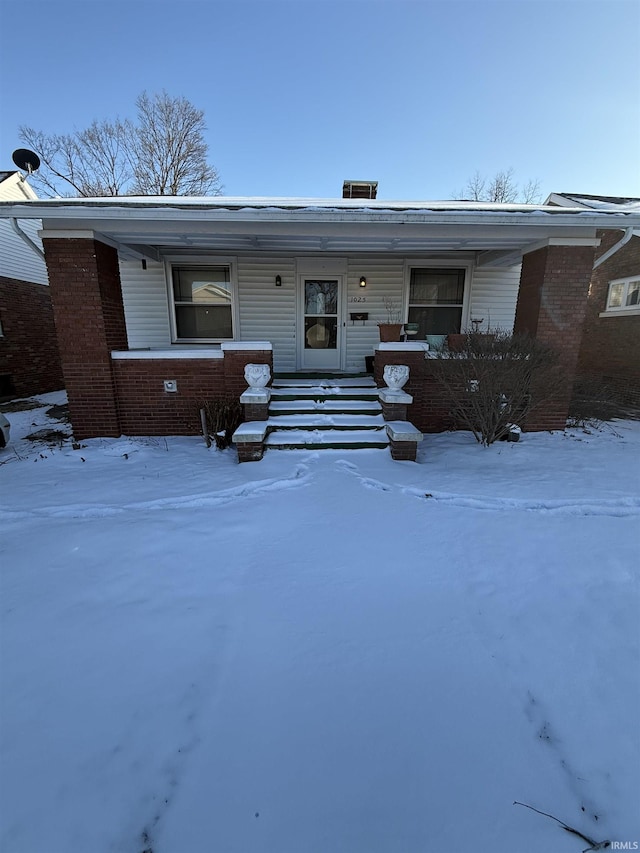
[(321, 651)]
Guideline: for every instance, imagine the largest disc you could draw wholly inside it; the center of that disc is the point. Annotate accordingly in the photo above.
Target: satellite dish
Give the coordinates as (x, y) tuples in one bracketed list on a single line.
[(26, 160)]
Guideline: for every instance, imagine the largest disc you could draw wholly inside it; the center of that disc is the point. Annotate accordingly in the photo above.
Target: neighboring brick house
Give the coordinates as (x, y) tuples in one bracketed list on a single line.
[(29, 357), (161, 302), (610, 345)]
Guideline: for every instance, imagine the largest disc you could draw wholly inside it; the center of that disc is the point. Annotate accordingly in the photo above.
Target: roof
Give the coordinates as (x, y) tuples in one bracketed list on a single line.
[(353, 205), (156, 226), (595, 202), (5, 175)]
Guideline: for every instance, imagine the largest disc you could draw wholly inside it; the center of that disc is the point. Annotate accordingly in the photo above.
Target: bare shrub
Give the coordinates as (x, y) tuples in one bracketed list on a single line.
[(592, 402), (223, 417), (495, 380)]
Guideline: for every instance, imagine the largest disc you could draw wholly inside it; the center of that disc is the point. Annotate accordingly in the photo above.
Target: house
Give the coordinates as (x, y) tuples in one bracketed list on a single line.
[(29, 358), (160, 303), (610, 349)]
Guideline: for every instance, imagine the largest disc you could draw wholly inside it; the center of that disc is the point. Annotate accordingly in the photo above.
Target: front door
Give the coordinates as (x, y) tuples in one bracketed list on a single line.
[(320, 323)]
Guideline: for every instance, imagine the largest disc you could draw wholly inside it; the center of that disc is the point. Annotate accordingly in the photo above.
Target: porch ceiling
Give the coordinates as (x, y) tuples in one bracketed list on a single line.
[(155, 239), (499, 234)]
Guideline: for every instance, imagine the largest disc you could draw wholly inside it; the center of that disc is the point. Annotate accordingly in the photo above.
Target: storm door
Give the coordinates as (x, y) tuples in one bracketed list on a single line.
[(320, 332)]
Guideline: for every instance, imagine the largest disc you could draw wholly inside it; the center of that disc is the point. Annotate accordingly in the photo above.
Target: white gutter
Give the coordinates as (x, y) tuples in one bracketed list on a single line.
[(26, 238), (628, 234)]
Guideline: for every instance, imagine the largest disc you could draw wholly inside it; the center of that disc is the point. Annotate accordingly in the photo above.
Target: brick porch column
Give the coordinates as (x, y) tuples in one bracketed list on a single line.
[(552, 302), (84, 280)]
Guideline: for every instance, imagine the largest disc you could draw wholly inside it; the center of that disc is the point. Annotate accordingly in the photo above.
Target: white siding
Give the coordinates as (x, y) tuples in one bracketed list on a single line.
[(146, 306), (385, 278), (17, 258), (267, 312), (494, 294)]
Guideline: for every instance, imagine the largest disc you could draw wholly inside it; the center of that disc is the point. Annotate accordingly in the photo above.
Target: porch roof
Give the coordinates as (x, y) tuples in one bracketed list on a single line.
[(152, 227)]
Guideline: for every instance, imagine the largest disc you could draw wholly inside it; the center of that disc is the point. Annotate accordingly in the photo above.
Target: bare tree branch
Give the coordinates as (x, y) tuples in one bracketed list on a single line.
[(163, 153), (502, 188), (172, 153)]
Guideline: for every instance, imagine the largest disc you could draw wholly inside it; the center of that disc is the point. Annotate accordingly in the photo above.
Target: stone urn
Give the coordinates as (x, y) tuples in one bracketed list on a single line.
[(395, 376), (257, 375)]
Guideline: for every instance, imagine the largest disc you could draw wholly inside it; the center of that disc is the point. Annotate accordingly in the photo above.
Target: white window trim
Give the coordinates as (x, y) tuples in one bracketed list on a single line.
[(434, 263), (622, 310), (171, 261)]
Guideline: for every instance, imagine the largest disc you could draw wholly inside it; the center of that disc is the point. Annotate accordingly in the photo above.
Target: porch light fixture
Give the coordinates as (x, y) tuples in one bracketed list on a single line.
[(363, 281), (278, 281)]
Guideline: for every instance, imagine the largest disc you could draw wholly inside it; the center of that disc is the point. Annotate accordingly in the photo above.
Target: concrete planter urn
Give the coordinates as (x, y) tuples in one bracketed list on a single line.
[(257, 375), (395, 376)]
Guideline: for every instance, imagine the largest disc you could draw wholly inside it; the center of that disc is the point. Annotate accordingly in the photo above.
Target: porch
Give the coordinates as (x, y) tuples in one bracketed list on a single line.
[(295, 284)]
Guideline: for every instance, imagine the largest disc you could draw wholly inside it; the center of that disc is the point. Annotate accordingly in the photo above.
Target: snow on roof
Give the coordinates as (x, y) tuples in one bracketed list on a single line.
[(600, 203), (294, 203)]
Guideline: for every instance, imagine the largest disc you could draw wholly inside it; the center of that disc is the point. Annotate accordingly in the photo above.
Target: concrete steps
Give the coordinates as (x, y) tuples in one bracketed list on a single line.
[(341, 412)]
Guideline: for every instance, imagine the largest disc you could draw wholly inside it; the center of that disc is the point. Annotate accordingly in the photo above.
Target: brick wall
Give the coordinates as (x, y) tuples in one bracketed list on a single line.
[(29, 357), (610, 347), (145, 408), (85, 290), (552, 303)]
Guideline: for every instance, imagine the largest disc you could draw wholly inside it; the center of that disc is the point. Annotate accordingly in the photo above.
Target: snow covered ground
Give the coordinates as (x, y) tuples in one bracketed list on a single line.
[(322, 651)]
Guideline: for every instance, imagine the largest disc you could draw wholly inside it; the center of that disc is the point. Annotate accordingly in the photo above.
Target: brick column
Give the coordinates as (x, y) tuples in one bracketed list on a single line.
[(256, 404), (84, 281), (394, 404), (552, 302)]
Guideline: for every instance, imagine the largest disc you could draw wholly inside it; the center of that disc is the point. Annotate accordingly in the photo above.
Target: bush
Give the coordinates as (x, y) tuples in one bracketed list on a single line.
[(494, 381), (223, 416), (593, 401)]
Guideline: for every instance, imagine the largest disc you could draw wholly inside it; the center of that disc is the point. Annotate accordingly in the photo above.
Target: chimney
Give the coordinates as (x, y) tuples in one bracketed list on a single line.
[(360, 189)]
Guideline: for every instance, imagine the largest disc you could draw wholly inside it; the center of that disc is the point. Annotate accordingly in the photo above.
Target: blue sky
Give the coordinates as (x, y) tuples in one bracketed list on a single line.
[(300, 95)]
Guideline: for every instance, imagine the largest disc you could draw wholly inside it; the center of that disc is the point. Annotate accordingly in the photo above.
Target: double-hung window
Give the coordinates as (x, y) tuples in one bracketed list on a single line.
[(202, 301), (436, 297), (624, 295)]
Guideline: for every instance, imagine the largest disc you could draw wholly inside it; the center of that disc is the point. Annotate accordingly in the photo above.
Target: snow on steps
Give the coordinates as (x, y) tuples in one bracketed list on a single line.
[(325, 412), (347, 439), (324, 392), (363, 407)]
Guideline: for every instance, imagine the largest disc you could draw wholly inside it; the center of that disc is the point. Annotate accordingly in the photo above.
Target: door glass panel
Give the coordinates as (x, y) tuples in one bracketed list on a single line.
[(320, 314), (320, 333), (320, 297)]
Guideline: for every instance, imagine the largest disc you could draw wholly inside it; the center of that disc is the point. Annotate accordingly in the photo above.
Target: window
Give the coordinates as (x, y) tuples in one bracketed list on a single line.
[(435, 300), (202, 302), (624, 295)]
